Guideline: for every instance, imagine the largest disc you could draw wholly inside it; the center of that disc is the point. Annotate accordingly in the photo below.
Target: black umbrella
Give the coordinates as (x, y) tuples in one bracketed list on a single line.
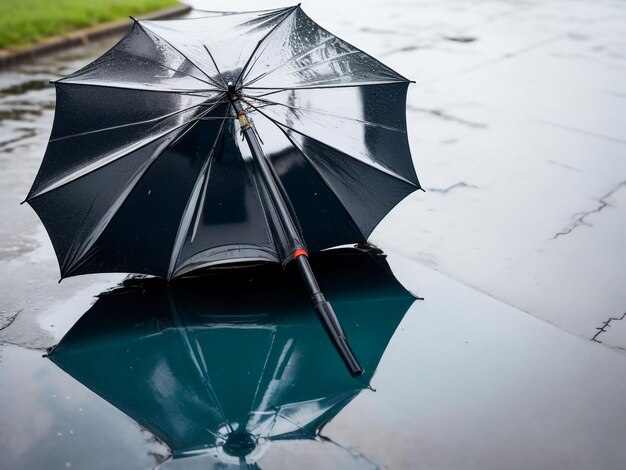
[(144, 172), (233, 364)]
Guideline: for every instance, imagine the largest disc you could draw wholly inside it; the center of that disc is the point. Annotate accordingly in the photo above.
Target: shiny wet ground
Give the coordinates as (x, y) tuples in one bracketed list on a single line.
[(466, 381)]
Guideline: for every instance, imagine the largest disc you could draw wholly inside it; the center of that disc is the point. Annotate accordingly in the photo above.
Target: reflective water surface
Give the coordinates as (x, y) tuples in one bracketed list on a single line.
[(215, 371), (227, 363)]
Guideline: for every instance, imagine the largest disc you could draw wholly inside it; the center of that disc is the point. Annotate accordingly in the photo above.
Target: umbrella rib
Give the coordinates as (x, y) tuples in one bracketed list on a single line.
[(321, 86), (332, 36), (185, 220), (268, 225), (116, 50), (286, 355), (137, 123), (241, 75), (322, 177), (205, 185), (258, 385), (325, 113), (181, 53), (256, 48), (217, 118), (165, 66), (294, 57), (383, 66), (180, 91), (276, 90), (227, 13), (182, 328), (373, 164), (89, 241), (215, 64), (326, 182), (279, 414), (322, 62), (75, 245), (111, 158)]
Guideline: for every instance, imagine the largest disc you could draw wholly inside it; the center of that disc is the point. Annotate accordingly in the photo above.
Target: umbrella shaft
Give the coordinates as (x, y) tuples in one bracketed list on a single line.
[(328, 318), (271, 183), (322, 307)]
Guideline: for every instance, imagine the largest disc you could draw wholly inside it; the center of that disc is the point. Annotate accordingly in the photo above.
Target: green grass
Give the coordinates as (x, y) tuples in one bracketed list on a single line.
[(26, 21)]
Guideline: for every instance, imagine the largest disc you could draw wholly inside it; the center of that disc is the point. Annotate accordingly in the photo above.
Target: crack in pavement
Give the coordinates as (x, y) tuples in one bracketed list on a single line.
[(603, 328), (10, 321), (4, 342), (583, 215), (563, 165), (460, 184), (443, 115)]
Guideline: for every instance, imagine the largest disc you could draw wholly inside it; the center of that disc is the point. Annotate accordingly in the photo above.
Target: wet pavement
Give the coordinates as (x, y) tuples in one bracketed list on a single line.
[(514, 359)]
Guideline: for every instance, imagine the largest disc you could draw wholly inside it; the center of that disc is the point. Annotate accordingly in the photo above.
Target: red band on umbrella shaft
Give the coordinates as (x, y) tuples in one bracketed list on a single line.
[(300, 252)]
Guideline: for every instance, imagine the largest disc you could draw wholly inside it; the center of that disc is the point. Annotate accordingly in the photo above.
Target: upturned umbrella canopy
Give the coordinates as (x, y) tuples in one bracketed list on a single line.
[(235, 363), (144, 172)]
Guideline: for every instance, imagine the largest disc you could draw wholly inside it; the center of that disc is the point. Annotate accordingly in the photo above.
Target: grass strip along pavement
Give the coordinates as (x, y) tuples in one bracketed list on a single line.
[(27, 21)]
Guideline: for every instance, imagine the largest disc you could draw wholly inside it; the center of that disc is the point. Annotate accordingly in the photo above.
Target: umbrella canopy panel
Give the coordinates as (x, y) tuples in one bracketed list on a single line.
[(144, 171)]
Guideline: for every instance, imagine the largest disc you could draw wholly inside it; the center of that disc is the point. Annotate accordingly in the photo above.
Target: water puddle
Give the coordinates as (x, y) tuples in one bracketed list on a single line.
[(218, 368)]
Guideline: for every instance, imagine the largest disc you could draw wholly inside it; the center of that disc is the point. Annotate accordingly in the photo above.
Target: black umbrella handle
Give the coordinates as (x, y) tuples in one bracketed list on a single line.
[(327, 317), (324, 310)]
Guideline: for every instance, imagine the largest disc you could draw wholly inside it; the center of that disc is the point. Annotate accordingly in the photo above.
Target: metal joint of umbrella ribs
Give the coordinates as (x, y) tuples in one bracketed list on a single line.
[(243, 119)]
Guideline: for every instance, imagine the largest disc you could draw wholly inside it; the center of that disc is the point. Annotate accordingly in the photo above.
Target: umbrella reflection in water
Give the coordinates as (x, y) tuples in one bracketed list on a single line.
[(229, 362)]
